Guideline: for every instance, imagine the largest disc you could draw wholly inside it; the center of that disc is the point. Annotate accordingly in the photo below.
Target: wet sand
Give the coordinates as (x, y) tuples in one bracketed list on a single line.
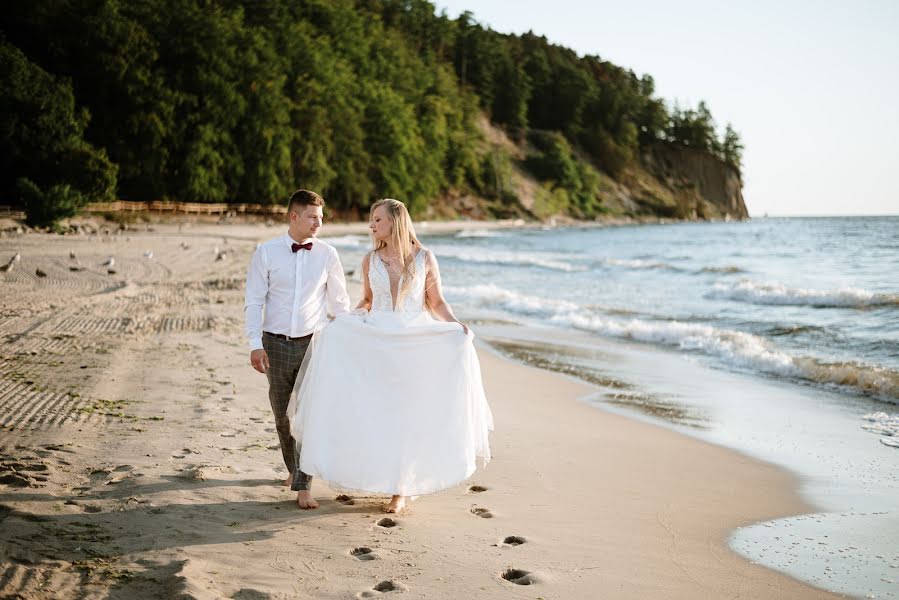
[(138, 459)]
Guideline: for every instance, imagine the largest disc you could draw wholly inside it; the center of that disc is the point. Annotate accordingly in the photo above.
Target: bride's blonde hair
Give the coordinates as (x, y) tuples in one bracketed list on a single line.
[(402, 237)]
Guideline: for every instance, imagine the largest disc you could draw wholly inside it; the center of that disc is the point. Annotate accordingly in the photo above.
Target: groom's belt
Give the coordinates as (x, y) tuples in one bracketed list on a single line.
[(281, 336)]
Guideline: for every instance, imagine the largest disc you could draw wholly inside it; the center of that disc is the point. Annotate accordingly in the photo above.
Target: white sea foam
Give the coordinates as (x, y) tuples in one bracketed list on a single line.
[(636, 263), (778, 294), (722, 269), (883, 424), (543, 260), (734, 348)]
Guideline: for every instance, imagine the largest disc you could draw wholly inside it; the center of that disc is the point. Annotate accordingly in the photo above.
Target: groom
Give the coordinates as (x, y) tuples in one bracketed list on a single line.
[(293, 283)]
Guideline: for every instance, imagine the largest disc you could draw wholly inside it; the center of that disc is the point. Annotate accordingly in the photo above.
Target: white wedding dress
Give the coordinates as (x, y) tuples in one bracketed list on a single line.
[(391, 401)]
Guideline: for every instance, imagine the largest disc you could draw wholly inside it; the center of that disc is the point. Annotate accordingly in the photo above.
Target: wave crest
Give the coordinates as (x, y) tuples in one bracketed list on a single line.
[(778, 294), (507, 257), (638, 263)]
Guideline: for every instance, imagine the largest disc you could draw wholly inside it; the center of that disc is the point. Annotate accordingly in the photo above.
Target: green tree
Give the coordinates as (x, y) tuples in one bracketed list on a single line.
[(732, 148), (41, 143)]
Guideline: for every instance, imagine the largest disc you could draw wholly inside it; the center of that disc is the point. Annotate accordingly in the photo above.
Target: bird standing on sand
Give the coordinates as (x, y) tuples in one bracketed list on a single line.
[(148, 254), (72, 254), (109, 262), (12, 262)]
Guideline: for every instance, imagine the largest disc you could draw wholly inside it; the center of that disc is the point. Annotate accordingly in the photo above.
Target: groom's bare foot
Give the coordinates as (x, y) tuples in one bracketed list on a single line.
[(305, 500), (289, 481), (396, 504)]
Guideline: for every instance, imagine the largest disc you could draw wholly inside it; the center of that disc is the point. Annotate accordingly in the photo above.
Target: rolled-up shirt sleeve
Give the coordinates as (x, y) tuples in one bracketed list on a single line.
[(338, 299), (256, 291)]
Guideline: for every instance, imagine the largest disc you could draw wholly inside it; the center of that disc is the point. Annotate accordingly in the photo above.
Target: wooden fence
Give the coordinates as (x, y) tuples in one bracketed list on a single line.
[(9, 212), (194, 208)]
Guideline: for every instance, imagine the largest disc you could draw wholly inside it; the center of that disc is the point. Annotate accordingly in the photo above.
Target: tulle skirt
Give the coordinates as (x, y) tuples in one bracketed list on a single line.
[(391, 403)]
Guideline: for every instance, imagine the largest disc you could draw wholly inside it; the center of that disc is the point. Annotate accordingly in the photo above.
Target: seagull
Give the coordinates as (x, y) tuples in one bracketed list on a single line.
[(221, 256), (215, 250), (39, 273), (148, 254), (184, 246), (72, 254), (109, 262), (12, 262)]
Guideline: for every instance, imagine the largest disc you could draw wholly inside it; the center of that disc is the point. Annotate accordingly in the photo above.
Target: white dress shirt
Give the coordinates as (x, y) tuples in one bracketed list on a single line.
[(292, 293)]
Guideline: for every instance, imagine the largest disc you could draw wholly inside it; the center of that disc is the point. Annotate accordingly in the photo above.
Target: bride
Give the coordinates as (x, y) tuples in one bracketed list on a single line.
[(390, 399)]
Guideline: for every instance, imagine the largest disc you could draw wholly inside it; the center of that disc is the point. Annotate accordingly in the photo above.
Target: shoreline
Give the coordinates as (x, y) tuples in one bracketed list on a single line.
[(140, 221), (841, 543), (144, 443)]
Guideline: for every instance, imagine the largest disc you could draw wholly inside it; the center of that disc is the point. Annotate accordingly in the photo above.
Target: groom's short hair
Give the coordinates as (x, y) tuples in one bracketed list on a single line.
[(300, 199)]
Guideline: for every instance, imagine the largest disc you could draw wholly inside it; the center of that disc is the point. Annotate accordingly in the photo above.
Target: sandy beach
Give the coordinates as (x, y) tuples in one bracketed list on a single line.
[(138, 459)]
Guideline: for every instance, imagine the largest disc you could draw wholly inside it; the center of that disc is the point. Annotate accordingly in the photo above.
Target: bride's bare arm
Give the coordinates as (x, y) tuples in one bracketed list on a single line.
[(434, 294), (365, 302)]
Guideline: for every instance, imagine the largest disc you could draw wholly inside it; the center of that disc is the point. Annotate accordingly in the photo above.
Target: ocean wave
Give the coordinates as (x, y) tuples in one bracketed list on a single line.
[(723, 269), (493, 296), (638, 263), (476, 233), (348, 241), (734, 348), (543, 260), (793, 329), (777, 294)]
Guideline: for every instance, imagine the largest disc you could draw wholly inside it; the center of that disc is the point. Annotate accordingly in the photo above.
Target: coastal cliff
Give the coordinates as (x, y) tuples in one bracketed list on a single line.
[(667, 180), (697, 181)]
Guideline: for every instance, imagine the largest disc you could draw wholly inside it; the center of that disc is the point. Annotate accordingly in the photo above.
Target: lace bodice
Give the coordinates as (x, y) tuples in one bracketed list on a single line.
[(379, 280)]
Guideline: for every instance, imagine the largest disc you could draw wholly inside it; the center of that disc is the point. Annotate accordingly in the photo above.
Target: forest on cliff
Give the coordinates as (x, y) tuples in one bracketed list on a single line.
[(246, 100)]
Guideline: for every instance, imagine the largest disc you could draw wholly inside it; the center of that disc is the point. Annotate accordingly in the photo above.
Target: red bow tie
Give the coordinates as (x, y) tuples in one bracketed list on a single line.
[(306, 246)]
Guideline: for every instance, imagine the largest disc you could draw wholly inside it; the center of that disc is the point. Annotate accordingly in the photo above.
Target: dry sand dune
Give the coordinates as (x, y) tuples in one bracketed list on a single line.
[(138, 459)]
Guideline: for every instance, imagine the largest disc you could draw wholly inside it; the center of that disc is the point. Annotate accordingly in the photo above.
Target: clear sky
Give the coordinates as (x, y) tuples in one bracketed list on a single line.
[(812, 87)]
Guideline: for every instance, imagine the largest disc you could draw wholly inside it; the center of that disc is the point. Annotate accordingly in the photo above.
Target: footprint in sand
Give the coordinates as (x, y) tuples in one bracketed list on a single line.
[(386, 523), (481, 512), (518, 576), (183, 453), (100, 474), (13, 479), (363, 553), (514, 540), (87, 508), (383, 588), (477, 489), (345, 500)]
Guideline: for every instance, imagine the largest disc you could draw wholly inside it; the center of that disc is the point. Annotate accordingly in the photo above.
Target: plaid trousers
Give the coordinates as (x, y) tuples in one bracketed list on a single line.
[(285, 358)]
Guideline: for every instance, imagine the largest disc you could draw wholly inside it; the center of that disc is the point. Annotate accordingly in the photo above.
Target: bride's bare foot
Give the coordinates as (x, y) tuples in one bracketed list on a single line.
[(289, 481), (305, 500), (396, 504)]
